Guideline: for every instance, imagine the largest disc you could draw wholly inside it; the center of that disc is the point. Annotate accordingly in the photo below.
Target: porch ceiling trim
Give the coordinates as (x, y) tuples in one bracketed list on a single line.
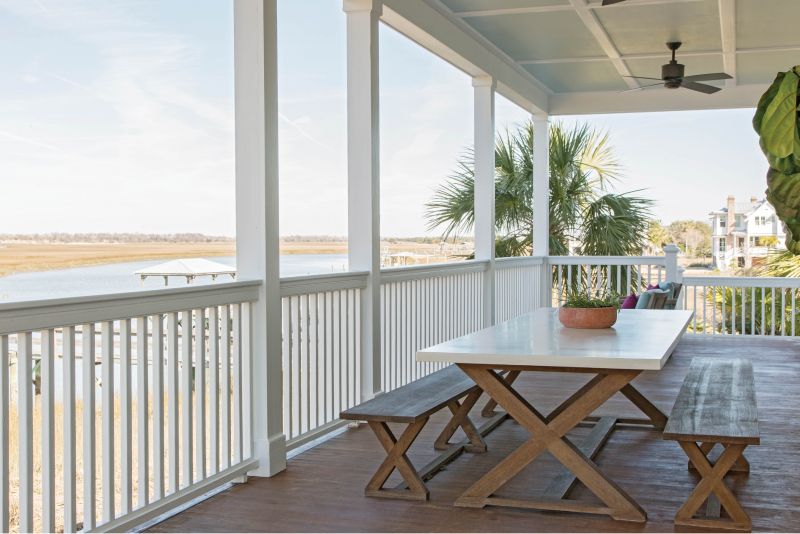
[(444, 34), (740, 96)]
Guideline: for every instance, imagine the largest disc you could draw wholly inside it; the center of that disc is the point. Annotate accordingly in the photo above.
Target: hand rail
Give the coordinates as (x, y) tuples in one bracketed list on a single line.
[(417, 272), (319, 283), (26, 316), (607, 260)]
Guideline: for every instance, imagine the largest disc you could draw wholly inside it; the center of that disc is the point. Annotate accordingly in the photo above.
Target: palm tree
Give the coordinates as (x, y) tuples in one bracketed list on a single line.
[(582, 205)]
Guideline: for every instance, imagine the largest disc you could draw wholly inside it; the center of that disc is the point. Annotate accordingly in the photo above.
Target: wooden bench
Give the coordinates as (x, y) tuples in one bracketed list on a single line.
[(412, 405), (716, 406)]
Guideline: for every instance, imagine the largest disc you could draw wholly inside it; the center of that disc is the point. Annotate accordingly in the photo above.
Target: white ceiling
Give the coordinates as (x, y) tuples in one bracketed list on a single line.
[(578, 46)]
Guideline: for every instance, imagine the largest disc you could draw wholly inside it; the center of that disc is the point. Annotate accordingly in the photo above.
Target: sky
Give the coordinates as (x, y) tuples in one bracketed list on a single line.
[(117, 116)]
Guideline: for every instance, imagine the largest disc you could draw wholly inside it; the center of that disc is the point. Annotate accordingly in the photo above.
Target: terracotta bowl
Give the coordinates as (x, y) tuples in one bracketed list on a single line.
[(587, 317)]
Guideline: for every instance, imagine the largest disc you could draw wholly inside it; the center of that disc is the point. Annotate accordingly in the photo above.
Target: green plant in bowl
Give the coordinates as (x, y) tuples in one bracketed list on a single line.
[(580, 299), (583, 310)]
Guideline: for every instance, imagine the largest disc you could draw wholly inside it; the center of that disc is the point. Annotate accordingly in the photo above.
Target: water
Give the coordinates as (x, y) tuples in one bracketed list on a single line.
[(119, 277)]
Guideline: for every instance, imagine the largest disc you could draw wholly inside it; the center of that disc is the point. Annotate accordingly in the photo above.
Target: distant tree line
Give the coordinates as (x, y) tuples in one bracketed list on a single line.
[(692, 237), (60, 237)]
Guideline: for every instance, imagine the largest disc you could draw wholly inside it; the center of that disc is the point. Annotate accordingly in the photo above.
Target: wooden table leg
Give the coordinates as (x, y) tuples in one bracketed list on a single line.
[(655, 415), (549, 435), (713, 481), (461, 419), (491, 404)]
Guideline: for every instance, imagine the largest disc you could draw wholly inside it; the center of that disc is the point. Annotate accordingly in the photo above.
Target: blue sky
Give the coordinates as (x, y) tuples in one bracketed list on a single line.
[(117, 115)]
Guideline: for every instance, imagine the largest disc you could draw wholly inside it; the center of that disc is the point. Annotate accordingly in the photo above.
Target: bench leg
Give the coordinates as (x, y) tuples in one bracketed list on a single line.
[(712, 481), (741, 465), (491, 404), (396, 459), (461, 419)]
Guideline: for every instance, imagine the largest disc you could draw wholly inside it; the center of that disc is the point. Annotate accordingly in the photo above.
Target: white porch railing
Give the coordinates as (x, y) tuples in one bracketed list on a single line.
[(321, 352), (620, 274), (742, 306), (518, 286), (163, 421), (422, 306), (195, 438)]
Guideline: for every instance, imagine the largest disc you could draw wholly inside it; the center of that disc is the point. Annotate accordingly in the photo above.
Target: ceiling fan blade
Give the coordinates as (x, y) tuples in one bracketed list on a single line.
[(640, 88), (708, 77), (611, 2), (700, 87), (644, 78)]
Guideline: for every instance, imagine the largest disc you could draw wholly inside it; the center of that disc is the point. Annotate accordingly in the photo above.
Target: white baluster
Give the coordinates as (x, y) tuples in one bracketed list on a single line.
[(47, 369), (87, 363), (158, 406), (24, 418), (173, 434), (142, 412)]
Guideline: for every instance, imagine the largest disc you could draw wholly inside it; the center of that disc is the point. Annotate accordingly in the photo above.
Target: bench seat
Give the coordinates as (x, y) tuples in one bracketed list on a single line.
[(412, 405), (715, 406), (416, 400)]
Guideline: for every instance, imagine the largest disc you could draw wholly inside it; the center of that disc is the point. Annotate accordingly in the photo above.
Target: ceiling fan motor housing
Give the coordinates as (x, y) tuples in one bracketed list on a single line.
[(672, 74)]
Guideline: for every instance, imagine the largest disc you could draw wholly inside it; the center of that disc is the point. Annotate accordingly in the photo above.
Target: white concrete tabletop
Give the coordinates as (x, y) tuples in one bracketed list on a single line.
[(640, 340)]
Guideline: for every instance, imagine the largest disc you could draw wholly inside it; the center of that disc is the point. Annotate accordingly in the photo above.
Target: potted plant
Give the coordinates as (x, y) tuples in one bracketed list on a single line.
[(581, 310)]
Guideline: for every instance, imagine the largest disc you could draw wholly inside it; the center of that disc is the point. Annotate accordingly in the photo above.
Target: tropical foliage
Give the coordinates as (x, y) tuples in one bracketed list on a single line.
[(692, 237), (583, 207), (752, 311), (777, 122)]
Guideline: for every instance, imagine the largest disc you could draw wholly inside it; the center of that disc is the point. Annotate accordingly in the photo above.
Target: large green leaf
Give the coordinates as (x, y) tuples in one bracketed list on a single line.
[(766, 100), (779, 125)]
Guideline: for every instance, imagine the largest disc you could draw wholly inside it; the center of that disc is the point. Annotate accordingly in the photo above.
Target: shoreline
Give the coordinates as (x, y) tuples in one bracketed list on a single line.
[(18, 258)]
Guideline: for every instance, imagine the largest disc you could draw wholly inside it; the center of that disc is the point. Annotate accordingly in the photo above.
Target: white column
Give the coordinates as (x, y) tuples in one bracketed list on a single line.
[(541, 201), (541, 186), (484, 135), (363, 178), (671, 263), (257, 235)]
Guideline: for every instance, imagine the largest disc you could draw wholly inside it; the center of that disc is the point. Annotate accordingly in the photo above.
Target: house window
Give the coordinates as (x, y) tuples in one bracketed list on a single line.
[(722, 245), (722, 223)]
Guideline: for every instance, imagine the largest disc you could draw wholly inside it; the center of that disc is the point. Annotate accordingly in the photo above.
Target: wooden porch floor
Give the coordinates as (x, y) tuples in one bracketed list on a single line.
[(322, 489)]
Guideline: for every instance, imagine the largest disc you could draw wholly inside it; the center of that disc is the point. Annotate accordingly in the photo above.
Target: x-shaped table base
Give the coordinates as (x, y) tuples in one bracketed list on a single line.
[(549, 434), (713, 482)]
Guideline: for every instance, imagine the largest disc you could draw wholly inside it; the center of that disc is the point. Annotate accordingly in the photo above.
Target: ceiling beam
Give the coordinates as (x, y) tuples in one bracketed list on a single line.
[(594, 26), (727, 21), (651, 100), (626, 57), (551, 9), (454, 41), (695, 53)]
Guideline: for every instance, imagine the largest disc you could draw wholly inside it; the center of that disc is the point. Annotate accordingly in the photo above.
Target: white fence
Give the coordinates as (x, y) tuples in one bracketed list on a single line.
[(594, 274), (164, 412), (165, 419), (519, 286), (423, 306), (742, 306), (321, 352)]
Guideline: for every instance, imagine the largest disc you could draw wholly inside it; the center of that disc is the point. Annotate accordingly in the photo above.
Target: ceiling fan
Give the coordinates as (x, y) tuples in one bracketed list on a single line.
[(672, 75)]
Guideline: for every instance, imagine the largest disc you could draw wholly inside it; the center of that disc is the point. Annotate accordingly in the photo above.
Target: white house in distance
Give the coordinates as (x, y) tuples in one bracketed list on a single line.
[(742, 231)]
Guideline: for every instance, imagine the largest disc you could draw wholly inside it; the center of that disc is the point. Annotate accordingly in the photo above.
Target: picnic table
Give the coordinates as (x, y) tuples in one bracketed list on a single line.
[(641, 340)]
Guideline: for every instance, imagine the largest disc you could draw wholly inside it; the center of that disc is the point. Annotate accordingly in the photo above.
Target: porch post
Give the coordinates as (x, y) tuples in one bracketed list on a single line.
[(363, 178), (541, 201), (484, 89), (257, 241), (671, 263)]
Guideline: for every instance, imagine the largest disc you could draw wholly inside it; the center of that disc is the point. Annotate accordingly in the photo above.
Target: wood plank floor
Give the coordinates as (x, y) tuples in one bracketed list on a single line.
[(322, 489)]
